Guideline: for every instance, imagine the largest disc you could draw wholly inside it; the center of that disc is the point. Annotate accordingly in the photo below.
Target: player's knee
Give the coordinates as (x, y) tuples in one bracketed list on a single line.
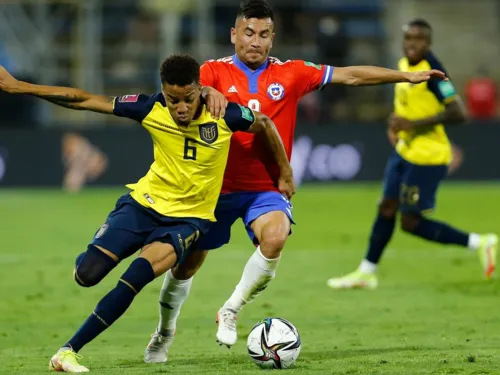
[(388, 208), (409, 222), (92, 266), (272, 243)]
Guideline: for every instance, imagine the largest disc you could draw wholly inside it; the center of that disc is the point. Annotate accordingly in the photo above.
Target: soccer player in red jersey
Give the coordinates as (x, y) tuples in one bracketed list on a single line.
[(252, 78)]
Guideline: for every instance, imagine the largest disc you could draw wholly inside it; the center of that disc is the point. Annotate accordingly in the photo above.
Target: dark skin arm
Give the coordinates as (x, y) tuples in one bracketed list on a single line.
[(82, 100), (264, 126), (454, 113)]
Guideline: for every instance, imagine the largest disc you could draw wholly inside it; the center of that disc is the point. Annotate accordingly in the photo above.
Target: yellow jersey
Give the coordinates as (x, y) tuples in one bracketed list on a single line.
[(186, 176), (428, 145)]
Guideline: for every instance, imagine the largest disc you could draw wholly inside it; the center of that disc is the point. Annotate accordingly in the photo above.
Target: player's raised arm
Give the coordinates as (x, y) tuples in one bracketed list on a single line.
[(244, 119), (63, 96), (374, 75)]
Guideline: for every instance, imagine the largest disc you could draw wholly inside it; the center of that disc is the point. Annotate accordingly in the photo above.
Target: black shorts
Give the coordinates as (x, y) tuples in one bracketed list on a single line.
[(415, 186), (131, 226)]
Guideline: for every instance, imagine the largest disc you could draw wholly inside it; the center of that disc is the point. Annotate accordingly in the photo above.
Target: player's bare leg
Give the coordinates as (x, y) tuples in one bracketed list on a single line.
[(154, 260), (365, 276), (271, 230), (174, 292)]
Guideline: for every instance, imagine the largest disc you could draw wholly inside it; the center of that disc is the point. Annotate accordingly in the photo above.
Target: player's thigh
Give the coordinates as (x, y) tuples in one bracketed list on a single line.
[(180, 234), (419, 188), (269, 218), (227, 211), (125, 230), (393, 177), (190, 265)]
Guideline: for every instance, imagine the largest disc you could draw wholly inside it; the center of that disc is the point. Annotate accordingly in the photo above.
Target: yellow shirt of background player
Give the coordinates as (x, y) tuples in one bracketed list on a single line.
[(185, 178), (429, 145)]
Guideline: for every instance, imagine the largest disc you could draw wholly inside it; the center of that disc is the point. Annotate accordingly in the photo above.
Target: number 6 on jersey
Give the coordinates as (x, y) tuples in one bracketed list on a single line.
[(189, 150)]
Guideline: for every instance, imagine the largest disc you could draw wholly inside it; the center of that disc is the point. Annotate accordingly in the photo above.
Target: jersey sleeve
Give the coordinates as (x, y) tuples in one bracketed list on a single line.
[(135, 107), (444, 91), (208, 77), (309, 76), (238, 117)]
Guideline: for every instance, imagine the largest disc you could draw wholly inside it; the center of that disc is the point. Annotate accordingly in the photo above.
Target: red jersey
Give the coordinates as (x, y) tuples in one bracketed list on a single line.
[(274, 89)]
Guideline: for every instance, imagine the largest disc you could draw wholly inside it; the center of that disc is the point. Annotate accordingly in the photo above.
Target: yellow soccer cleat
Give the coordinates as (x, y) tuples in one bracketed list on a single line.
[(66, 360), (487, 252), (354, 280)]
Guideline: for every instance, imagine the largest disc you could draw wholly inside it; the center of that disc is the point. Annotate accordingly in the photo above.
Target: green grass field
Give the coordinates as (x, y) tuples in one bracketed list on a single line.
[(432, 314)]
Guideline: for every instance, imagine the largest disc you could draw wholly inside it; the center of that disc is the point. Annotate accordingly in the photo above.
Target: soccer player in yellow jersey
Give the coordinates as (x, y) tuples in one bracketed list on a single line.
[(170, 207), (418, 165)]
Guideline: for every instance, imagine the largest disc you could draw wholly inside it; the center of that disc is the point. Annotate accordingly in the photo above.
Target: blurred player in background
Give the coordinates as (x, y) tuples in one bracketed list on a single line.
[(250, 77), (418, 165), (172, 205), (83, 162)]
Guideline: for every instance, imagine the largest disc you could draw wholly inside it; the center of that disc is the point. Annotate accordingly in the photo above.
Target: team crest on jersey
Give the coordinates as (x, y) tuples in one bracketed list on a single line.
[(275, 91), (101, 231), (128, 98), (209, 132)]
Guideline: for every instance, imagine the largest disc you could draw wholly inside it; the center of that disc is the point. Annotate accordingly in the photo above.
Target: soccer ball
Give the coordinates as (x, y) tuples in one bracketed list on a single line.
[(274, 343)]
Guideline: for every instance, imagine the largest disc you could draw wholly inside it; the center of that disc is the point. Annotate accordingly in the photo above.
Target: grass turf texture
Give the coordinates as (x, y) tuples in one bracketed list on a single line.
[(432, 314)]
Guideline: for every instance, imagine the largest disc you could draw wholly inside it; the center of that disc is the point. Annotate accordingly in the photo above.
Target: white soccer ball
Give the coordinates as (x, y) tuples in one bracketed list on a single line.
[(274, 343)]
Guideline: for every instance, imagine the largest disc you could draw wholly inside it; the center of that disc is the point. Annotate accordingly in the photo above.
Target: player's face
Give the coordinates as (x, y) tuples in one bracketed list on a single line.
[(182, 102), (253, 40), (416, 43)]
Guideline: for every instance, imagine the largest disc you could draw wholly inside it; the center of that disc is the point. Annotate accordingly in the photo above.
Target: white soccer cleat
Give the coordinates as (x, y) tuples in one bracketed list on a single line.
[(226, 327), (66, 360), (157, 349), (354, 280)]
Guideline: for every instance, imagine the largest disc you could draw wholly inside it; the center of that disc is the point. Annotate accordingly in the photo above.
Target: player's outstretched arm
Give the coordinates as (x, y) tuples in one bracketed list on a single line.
[(374, 75), (63, 96), (264, 125)]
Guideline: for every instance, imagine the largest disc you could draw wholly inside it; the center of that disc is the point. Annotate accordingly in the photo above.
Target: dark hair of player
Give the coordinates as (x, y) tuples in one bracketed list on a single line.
[(180, 69), (419, 22), (255, 9)]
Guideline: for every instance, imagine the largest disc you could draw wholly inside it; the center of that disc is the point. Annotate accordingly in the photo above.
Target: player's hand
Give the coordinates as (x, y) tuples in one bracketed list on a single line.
[(418, 77), (286, 184), (398, 123), (393, 136), (7, 82), (216, 102)]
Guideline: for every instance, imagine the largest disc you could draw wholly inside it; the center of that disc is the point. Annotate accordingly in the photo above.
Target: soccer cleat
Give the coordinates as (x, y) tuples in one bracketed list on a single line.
[(354, 280), (157, 349), (488, 254), (226, 327), (66, 360)]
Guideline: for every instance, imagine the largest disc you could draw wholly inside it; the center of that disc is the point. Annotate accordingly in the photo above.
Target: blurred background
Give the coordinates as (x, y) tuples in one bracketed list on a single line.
[(432, 313), (115, 48)]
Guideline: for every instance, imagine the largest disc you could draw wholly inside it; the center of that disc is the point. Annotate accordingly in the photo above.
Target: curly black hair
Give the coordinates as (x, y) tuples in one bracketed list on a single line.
[(180, 69)]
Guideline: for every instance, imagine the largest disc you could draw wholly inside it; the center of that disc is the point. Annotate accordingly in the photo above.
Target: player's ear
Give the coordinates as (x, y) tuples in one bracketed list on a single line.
[(272, 39), (233, 35)]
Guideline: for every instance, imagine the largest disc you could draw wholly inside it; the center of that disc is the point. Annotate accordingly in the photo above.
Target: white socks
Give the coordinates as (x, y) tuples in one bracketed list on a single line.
[(258, 273), (173, 294), (367, 267), (474, 241)]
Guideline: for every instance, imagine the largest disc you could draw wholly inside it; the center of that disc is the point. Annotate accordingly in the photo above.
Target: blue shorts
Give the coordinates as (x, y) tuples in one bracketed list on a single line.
[(130, 226), (245, 205), (415, 186)]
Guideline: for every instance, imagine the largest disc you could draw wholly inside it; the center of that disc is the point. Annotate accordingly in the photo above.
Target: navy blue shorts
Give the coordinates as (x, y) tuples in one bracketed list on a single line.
[(245, 205), (415, 186), (131, 226)]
